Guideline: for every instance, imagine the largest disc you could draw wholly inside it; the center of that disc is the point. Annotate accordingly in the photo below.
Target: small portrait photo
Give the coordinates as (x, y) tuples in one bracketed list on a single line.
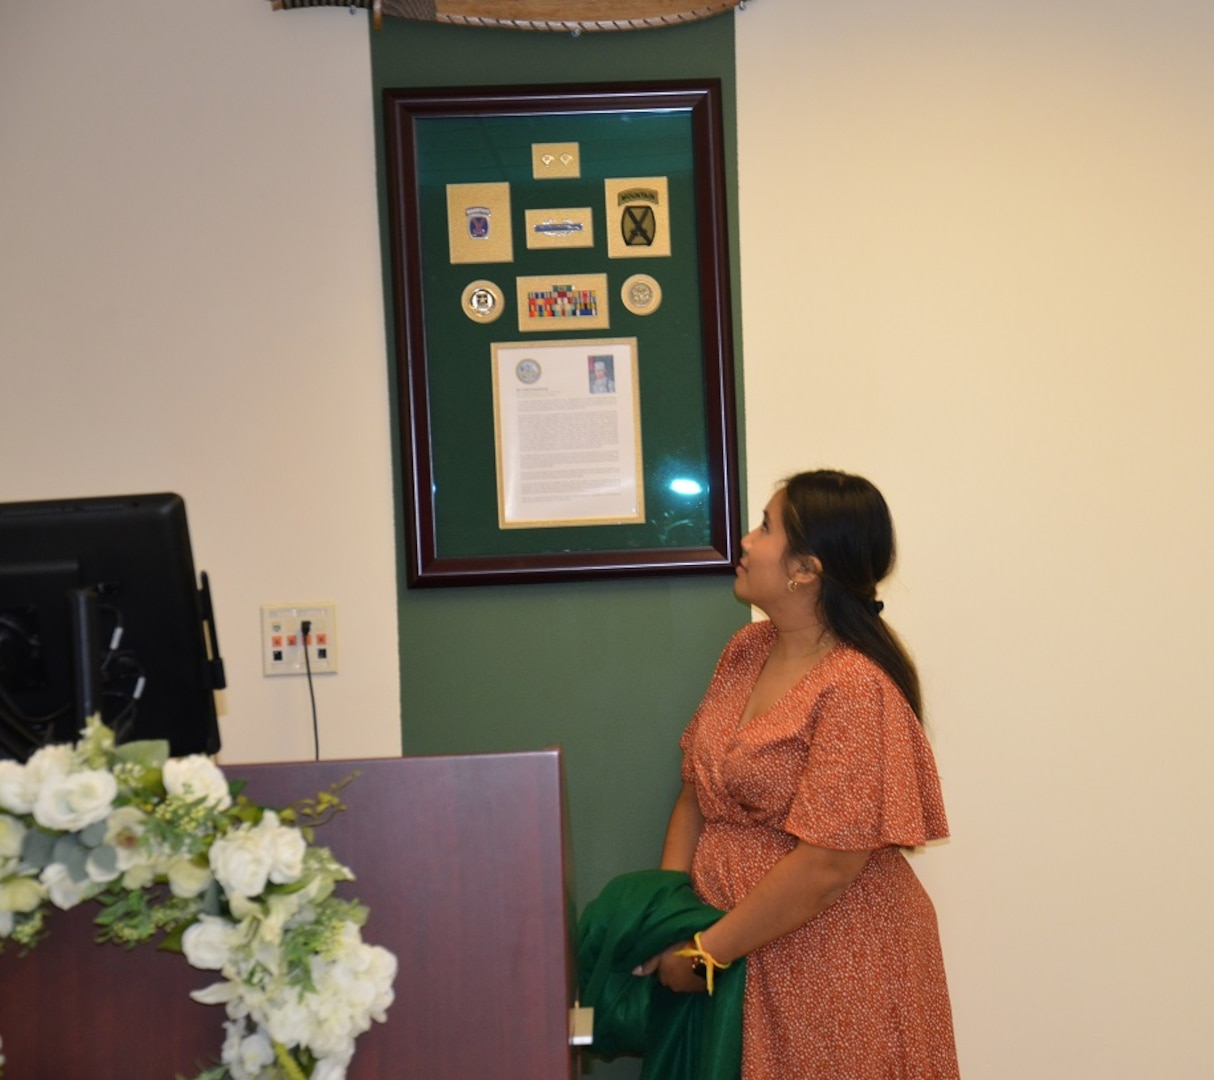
[(601, 370)]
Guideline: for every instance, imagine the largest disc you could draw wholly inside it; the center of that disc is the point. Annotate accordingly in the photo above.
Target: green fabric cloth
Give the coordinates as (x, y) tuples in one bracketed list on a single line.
[(679, 1036)]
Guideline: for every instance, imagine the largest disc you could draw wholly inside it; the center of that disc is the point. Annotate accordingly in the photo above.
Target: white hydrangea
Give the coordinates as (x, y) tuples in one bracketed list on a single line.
[(353, 988), (246, 1055), (288, 1020)]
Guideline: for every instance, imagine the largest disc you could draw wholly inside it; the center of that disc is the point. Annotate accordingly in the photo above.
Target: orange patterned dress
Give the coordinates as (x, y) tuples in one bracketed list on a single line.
[(841, 761)]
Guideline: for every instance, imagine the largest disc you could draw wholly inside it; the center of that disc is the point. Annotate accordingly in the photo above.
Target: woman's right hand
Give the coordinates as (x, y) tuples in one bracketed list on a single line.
[(674, 972)]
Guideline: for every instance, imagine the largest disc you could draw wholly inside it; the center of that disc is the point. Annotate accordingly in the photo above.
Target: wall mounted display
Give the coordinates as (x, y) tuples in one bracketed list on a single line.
[(608, 447)]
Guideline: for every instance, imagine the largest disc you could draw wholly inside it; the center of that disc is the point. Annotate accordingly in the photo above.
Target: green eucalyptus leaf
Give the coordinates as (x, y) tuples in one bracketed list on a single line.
[(38, 848), (73, 854), (104, 859), (93, 835)]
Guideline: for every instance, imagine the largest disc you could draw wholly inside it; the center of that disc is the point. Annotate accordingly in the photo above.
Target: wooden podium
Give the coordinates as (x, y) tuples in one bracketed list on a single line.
[(463, 863)]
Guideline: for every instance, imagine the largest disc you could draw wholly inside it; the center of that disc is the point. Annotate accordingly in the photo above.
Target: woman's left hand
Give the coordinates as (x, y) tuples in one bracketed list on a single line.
[(674, 972)]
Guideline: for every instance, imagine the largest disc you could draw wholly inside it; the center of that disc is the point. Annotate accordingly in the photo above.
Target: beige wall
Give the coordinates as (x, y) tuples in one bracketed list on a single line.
[(976, 263), (190, 300)]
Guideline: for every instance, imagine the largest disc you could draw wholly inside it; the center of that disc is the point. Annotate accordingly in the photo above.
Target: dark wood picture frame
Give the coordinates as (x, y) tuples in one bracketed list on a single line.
[(438, 137)]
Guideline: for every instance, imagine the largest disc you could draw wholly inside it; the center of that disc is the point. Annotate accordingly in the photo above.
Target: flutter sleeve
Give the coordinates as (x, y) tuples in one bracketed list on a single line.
[(870, 777)]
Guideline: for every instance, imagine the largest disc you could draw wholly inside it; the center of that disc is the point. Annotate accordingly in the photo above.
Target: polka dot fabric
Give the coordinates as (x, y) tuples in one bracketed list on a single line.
[(859, 992)]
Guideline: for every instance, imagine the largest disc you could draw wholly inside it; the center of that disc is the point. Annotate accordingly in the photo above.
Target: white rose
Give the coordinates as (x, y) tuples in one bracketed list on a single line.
[(197, 777), (12, 836), (50, 761), (18, 790), (64, 890), (72, 802), (21, 894), (288, 847), (187, 879), (241, 861), (245, 860), (209, 942), (6, 928)]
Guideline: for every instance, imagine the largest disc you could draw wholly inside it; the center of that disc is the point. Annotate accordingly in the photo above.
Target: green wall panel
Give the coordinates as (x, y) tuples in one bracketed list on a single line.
[(608, 671)]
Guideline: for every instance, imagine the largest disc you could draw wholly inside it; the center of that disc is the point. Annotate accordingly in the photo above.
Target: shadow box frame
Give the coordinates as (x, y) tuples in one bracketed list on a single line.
[(438, 137)]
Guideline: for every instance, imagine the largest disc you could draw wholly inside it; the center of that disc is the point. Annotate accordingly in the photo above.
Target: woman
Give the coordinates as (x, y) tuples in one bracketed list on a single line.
[(805, 770)]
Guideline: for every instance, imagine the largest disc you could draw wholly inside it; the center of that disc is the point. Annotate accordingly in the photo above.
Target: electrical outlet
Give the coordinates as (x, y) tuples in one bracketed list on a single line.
[(282, 639)]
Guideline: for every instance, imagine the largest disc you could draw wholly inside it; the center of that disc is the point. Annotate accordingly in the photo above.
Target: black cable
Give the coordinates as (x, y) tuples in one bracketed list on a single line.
[(14, 710), (16, 739), (115, 636), (305, 628)]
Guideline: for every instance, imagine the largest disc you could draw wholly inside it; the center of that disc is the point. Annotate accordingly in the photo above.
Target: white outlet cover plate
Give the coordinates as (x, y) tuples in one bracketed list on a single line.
[(281, 641)]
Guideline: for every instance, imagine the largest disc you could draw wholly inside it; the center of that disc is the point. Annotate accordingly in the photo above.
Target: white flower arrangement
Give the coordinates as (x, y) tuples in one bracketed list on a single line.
[(168, 851)]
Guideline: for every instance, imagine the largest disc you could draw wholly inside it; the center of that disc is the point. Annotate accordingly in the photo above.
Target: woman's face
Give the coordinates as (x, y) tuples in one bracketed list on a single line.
[(765, 569)]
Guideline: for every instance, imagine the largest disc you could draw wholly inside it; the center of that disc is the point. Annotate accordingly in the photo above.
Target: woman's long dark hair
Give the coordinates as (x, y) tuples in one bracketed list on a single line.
[(843, 521)]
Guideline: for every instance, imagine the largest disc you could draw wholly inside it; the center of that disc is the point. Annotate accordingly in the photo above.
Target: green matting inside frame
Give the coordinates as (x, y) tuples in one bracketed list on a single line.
[(676, 457)]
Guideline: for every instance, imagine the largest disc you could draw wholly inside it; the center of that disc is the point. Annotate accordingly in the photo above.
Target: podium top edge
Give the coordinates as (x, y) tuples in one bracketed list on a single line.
[(545, 754)]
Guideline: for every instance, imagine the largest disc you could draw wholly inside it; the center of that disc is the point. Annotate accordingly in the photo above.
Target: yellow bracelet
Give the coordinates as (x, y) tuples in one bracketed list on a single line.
[(711, 964)]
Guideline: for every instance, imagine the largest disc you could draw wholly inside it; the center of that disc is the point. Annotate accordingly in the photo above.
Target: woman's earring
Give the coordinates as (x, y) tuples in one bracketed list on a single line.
[(793, 586)]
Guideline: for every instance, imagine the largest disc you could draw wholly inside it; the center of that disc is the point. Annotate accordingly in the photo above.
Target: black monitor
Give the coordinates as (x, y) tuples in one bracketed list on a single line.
[(101, 612)]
